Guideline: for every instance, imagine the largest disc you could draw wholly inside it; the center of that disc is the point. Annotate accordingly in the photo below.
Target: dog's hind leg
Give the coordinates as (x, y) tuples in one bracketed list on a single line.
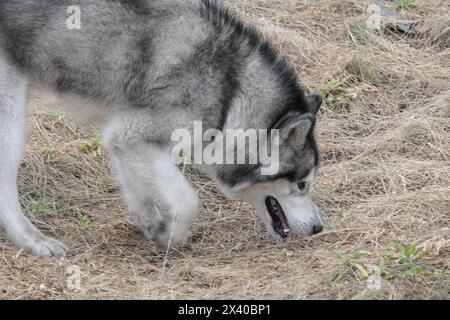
[(13, 89), (160, 199)]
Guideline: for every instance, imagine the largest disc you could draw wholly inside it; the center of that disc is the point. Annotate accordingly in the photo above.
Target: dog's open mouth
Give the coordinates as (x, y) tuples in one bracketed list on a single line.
[(279, 220)]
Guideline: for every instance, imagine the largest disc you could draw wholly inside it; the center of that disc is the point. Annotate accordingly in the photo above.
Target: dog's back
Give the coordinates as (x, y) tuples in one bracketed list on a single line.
[(121, 50)]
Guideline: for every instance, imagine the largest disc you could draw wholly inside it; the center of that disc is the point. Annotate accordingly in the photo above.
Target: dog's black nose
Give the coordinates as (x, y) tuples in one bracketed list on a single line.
[(317, 229)]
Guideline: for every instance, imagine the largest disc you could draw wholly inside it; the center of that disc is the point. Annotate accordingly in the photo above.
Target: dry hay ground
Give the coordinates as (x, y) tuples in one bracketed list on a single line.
[(383, 187)]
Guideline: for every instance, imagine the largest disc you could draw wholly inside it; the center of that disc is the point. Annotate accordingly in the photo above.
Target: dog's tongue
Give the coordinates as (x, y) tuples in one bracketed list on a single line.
[(286, 229), (284, 224), (278, 211)]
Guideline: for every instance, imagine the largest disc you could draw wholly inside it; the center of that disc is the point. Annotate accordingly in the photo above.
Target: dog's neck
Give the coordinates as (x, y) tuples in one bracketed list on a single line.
[(260, 98)]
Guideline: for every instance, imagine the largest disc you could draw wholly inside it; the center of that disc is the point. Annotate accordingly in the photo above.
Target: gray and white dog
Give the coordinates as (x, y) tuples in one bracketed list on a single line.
[(142, 69)]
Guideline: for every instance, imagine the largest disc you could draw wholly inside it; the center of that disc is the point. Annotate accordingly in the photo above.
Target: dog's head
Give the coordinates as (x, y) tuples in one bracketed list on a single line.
[(282, 200)]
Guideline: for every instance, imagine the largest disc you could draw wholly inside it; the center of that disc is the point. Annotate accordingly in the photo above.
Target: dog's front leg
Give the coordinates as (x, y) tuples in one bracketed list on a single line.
[(13, 89), (160, 199)]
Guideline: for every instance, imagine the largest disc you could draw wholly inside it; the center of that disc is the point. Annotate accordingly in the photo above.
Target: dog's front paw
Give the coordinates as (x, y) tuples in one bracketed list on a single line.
[(37, 244), (167, 237), (168, 227)]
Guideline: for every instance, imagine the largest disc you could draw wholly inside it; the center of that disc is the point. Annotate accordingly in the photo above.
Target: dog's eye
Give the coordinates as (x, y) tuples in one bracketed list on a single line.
[(302, 186)]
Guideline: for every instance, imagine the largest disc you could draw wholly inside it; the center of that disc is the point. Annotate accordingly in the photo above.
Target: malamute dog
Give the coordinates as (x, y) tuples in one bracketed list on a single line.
[(142, 69)]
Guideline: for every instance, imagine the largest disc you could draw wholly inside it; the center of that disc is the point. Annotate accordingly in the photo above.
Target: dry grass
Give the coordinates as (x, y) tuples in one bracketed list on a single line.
[(384, 186)]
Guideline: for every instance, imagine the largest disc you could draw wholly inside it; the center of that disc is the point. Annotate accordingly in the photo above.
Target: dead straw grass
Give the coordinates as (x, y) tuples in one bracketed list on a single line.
[(385, 179)]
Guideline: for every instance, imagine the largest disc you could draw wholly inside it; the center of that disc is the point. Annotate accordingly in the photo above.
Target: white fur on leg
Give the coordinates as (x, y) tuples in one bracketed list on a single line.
[(13, 89), (159, 197)]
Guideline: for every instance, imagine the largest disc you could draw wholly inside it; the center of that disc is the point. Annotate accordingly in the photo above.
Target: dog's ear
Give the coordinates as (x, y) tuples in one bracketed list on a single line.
[(314, 103), (295, 127)]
